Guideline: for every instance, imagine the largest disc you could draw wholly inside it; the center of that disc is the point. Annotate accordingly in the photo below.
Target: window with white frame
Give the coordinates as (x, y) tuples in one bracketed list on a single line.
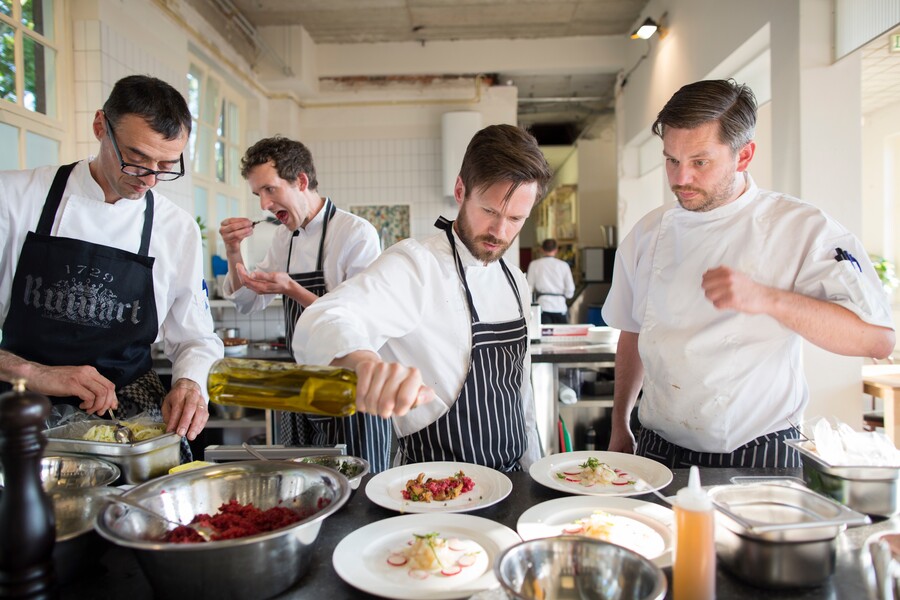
[(216, 148), (31, 131)]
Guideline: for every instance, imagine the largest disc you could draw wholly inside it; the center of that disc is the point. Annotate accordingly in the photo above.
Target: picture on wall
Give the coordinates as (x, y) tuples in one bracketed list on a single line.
[(391, 222)]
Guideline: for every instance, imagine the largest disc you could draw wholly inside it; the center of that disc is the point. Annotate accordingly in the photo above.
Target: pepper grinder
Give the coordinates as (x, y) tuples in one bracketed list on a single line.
[(27, 524)]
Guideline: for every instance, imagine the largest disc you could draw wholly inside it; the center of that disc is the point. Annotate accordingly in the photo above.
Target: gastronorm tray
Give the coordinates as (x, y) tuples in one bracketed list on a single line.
[(847, 472), (138, 462)]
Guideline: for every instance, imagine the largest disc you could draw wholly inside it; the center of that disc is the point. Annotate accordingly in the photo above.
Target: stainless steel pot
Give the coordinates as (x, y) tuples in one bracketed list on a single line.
[(228, 332), (779, 535)]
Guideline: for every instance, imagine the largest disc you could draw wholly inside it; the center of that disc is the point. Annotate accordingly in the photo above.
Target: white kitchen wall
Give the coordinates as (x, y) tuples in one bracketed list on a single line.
[(385, 172)]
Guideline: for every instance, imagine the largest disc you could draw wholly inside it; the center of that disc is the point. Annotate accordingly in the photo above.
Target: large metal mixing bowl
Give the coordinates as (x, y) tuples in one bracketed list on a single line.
[(578, 567), (258, 566), (74, 472)]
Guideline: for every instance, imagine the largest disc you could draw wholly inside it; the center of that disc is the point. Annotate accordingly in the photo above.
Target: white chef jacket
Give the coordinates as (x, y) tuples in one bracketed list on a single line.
[(717, 379), (182, 307), (351, 245), (410, 308), (551, 275)]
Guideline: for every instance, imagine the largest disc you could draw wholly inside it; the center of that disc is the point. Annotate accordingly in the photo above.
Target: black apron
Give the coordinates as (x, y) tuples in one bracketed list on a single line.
[(366, 436), (486, 424), (79, 303)]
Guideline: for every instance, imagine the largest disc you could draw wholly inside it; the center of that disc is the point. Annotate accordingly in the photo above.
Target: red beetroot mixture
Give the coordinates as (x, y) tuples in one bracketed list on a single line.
[(440, 488), (236, 520)]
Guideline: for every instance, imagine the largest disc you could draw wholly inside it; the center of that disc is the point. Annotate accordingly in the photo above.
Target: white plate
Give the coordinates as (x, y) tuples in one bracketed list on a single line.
[(646, 528), (360, 559), (655, 474), (385, 489)]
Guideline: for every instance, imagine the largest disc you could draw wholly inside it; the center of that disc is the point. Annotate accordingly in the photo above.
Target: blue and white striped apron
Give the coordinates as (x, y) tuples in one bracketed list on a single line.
[(486, 424), (366, 436)]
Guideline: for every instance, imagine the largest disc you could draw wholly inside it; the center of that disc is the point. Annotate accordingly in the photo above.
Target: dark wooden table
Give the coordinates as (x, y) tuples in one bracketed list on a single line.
[(120, 577)]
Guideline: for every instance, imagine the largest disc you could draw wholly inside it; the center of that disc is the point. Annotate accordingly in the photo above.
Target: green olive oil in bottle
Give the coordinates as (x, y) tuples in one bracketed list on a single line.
[(276, 385)]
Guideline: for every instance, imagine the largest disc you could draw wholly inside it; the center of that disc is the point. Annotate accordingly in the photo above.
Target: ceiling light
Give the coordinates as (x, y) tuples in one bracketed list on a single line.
[(647, 28)]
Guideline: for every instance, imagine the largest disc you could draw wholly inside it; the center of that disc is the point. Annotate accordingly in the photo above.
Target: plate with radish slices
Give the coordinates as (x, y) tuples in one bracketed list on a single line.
[(434, 556), (592, 473), (643, 527)]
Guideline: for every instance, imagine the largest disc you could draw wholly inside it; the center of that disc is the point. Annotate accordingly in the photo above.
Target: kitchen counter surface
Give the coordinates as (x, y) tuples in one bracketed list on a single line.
[(120, 577)]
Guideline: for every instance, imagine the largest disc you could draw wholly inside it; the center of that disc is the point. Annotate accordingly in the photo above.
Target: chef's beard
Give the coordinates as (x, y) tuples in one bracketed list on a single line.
[(472, 242), (720, 195)]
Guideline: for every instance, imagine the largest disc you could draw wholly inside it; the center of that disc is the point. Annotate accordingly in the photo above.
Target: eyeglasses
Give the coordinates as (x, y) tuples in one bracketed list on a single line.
[(138, 170)]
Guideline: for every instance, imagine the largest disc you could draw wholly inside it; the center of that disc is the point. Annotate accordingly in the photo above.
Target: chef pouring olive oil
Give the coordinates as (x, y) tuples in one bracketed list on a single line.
[(95, 267)]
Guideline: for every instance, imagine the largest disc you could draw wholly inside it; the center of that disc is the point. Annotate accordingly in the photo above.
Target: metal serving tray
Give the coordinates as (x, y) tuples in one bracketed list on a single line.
[(138, 462), (870, 490)]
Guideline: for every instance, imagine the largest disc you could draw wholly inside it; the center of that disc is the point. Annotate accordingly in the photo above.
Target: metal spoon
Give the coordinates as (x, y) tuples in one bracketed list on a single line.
[(256, 453), (123, 434), (205, 532)]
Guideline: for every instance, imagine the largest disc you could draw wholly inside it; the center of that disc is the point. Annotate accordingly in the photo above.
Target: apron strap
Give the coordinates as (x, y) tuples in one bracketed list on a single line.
[(330, 209), (54, 197), (512, 284), (447, 226), (148, 224)]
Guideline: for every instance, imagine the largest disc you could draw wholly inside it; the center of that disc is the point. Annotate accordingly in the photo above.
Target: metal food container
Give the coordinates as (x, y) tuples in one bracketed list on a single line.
[(78, 548), (779, 535), (74, 471), (867, 489), (138, 462)]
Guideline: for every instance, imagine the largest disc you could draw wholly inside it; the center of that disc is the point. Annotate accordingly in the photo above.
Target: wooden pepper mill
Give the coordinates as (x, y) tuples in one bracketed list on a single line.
[(27, 524)]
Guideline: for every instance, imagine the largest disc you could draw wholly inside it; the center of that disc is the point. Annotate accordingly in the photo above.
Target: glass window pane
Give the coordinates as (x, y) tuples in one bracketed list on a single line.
[(220, 123), (192, 145), (233, 168), (193, 99), (6, 7), (40, 151), (234, 124), (235, 207), (222, 207), (40, 78), (7, 63), (201, 205), (220, 161), (37, 15), (204, 148), (210, 102), (9, 147)]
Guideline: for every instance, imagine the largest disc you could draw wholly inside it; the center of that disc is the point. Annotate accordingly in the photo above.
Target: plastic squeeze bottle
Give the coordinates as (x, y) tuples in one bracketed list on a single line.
[(694, 569)]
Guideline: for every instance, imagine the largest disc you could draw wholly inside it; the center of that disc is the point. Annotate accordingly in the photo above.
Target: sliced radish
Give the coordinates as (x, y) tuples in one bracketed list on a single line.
[(451, 570), (573, 529), (573, 480), (418, 574), (456, 545), (397, 560), (571, 472), (621, 482), (467, 560)]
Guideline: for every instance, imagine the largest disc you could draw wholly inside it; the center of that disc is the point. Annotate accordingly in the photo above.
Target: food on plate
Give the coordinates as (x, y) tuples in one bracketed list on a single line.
[(236, 520), (107, 433), (593, 472), (439, 490), (620, 530), (235, 341), (430, 554)]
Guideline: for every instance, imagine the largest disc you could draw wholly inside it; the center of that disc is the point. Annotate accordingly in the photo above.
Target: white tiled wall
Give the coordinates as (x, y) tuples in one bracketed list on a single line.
[(385, 172), (264, 325)]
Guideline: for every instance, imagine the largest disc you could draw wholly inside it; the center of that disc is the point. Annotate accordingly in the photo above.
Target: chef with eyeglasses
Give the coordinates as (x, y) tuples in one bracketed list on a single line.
[(95, 267)]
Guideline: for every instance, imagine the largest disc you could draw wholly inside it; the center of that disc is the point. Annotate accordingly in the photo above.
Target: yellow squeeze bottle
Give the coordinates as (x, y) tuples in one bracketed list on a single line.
[(694, 568)]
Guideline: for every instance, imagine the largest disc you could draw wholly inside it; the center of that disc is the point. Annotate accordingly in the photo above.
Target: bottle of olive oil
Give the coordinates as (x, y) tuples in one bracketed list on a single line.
[(277, 385)]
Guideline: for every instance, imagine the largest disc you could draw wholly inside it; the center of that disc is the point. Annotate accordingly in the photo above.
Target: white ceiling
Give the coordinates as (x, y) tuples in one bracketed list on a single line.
[(562, 102)]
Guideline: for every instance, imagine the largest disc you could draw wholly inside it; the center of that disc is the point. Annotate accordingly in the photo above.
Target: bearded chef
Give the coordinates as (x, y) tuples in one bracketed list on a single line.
[(319, 247), (95, 267), (436, 329)]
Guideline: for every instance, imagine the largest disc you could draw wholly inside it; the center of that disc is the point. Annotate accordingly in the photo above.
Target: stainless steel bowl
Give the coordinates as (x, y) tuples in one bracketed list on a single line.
[(74, 471), (351, 467), (578, 567), (78, 548), (258, 566)]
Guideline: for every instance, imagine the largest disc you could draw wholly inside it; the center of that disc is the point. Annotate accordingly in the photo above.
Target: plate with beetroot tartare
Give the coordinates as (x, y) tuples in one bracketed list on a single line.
[(438, 487), (593, 473), (438, 557)]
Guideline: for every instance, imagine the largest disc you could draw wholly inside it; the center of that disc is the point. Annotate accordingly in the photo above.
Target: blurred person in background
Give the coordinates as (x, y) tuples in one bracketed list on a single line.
[(551, 284)]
